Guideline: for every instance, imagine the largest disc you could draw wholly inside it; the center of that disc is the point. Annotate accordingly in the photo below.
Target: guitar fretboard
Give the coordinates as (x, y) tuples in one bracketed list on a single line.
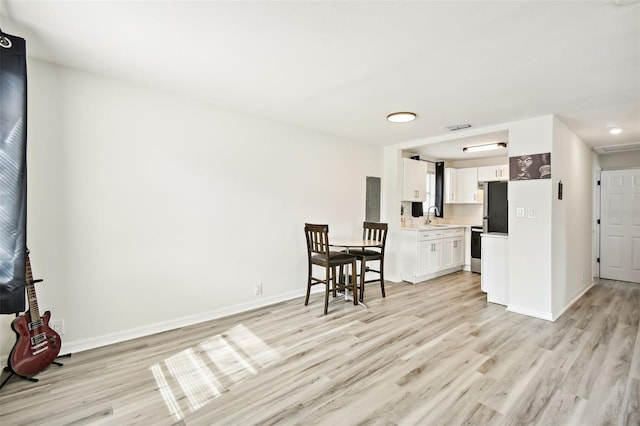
[(31, 294)]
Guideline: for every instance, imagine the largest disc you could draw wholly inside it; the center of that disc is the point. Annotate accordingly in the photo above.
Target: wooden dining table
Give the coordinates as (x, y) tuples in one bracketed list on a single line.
[(349, 244)]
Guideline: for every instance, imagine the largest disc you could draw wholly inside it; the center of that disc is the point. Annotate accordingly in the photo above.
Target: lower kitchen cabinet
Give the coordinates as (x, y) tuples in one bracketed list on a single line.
[(426, 254), (453, 252), (429, 256), (495, 258)]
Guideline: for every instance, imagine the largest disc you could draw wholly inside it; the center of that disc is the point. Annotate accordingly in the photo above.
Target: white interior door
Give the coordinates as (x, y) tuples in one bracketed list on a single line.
[(620, 225)]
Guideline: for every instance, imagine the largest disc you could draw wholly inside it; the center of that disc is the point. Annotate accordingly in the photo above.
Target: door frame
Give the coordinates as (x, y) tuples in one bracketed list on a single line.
[(596, 221)]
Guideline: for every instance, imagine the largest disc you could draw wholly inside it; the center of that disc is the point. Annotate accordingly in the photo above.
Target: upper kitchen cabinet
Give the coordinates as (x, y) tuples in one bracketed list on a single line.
[(461, 186), (493, 173), (450, 185), (414, 180)]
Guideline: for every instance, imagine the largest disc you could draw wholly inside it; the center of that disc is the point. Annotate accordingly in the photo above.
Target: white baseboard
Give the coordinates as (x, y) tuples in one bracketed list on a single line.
[(420, 278), (75, 346), (530, 312), (575, 299)]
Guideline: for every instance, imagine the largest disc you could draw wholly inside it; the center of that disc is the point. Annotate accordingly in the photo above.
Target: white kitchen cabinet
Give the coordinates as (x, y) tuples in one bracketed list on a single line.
[(450, 185), (430, 256), (467, 249), (426, 254), (495, 258), (493, 173), (467, 186), (461, 186), (414, 173), (452, 252)]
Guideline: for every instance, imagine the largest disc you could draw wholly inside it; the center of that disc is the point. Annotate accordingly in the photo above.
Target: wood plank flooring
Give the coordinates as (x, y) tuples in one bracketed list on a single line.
[(429, 354)]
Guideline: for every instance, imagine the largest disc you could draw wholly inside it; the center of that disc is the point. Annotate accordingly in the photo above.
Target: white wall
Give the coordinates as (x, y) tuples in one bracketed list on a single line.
[(530, 242), (148, 210), (620, 160), (572, 225)]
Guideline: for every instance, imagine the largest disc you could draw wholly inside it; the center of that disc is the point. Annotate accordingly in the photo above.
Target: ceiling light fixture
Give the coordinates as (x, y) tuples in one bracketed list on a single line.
[(401, 117), (486, 147), (614, 129)]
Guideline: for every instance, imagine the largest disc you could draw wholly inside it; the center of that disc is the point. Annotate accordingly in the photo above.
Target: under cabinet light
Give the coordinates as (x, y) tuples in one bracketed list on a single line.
[(486, 147)]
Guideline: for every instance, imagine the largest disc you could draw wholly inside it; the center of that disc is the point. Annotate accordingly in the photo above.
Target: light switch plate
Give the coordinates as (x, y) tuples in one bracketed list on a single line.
[(531, 213), (520, 212)]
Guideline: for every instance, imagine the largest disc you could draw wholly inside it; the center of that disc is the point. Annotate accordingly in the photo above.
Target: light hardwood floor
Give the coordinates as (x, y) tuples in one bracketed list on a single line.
[(429, 354)]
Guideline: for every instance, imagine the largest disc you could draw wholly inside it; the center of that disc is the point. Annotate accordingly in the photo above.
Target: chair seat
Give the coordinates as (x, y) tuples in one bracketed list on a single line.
[(335, 258), (371, 254)]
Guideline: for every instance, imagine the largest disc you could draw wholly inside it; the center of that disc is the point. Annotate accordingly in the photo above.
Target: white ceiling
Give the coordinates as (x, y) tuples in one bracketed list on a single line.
[(341, 67)]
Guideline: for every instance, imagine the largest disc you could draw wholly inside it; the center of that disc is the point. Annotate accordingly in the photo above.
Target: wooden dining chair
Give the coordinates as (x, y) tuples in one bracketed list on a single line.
[(376, 232), (319, 254)]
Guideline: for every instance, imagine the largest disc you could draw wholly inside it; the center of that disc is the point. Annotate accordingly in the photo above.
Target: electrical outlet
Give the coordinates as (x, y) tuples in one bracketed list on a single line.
[(258, 289), (57, 326)]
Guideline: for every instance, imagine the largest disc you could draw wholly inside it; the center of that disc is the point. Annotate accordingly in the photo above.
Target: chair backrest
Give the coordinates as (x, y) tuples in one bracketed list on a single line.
[(375, 231), (317, 238)]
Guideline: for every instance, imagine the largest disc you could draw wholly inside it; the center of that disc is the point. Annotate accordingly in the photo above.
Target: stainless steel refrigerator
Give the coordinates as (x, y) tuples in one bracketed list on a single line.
[(496, 207)]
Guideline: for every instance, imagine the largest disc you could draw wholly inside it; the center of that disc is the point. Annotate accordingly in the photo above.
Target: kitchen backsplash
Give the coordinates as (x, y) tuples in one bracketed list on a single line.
[(459, 214)]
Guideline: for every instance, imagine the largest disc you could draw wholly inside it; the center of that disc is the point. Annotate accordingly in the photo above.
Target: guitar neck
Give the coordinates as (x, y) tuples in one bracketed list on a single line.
[(31, 293)]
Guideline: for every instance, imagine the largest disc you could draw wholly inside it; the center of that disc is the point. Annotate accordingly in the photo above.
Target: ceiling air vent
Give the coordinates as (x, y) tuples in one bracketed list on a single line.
[(609, 149), (458, 127)]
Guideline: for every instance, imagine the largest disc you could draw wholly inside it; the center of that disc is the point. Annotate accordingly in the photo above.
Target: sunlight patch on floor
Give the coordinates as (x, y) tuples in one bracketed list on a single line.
[(194, 377), (227, 359), (259, 352), (236, 354), (165, 390)]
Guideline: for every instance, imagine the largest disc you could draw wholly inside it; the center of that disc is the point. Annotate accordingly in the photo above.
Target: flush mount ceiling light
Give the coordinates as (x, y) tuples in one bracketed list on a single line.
[(486, 147), (614, 129), (401, 117)]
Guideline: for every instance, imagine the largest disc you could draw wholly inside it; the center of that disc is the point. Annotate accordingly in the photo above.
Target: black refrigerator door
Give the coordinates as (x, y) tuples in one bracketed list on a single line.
[(496, 207)]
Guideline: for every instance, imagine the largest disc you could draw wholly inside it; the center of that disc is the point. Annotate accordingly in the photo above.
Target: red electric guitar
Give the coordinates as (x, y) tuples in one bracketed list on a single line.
[(37, 345)]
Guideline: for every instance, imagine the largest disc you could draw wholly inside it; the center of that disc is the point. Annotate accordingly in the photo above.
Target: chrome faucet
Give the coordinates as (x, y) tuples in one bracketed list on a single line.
[(428, 210)]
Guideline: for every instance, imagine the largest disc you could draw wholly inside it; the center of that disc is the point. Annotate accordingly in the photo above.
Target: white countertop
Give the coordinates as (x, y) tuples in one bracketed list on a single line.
[(495, 235), (433, 227)]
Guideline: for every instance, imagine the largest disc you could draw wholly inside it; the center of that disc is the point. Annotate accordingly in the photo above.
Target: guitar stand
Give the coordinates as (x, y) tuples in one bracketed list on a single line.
[(31, 379)]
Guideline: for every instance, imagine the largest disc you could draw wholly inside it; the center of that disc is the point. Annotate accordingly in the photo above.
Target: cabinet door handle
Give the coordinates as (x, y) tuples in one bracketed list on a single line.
[(474, 197)]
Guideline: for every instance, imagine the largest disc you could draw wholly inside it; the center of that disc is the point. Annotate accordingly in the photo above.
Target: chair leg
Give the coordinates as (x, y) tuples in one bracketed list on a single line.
[(306, 300), (382, 276), (326, 289), (354, 282), (363, 274), (335, 285)]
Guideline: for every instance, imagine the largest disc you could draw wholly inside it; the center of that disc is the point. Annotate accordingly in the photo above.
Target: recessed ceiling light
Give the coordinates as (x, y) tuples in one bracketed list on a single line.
[(614, 129), (486, 147), (401, 117)]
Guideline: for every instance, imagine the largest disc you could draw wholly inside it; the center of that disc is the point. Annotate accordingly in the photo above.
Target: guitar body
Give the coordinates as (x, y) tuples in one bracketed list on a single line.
[(35, 349)]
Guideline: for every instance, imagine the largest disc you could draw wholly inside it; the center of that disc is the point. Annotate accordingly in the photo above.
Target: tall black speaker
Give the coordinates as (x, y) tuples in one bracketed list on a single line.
[(13, 173)]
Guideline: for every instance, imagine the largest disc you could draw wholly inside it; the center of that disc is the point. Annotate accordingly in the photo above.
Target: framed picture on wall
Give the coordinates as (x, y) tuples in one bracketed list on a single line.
[(528, 167)]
